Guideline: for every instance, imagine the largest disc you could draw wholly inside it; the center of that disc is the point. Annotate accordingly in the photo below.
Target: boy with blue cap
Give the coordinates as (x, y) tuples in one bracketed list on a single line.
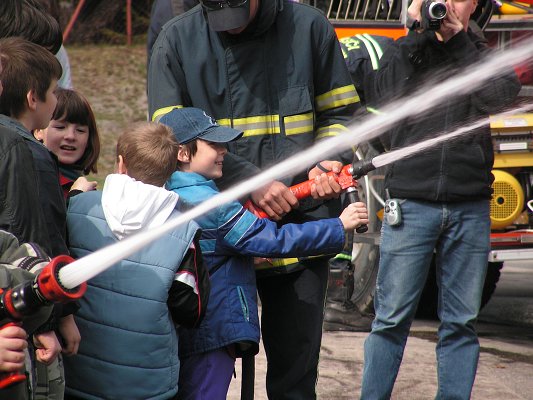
[(231, 237)]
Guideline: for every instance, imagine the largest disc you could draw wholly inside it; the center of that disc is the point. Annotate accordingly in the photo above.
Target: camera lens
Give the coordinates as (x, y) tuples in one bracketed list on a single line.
[(437, 10)]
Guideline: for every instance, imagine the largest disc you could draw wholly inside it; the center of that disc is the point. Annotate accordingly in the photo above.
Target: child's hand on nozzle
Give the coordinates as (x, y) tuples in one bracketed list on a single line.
[(354, 216), (13, 341), (83, 184)]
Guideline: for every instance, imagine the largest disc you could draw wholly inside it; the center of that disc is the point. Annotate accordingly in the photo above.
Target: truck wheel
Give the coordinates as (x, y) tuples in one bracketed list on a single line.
[(427, 308), (365, 272), (366, 254)]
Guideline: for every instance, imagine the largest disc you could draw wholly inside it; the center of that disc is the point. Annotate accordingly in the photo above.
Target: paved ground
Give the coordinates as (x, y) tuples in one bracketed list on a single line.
[(505, 369)]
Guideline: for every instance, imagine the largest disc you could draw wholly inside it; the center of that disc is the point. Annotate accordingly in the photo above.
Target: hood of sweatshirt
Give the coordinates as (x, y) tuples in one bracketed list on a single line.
[(131, 206)]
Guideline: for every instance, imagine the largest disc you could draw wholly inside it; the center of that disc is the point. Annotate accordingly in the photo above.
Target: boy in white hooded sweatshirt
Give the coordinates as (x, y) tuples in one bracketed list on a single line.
[(129, 347)]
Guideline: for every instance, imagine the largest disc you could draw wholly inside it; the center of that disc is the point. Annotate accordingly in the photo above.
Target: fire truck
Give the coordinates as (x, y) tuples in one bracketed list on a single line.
[(503, 23)]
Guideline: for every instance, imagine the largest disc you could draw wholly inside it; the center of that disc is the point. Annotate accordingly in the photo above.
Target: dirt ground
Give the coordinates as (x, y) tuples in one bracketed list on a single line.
[(113, 78)]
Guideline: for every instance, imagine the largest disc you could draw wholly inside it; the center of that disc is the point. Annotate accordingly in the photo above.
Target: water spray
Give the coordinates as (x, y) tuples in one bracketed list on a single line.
[(89, 266)]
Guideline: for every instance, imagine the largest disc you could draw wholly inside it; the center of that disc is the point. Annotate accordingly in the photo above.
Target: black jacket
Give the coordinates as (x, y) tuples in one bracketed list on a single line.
[(20, 213), (459, 170), (49, 196)]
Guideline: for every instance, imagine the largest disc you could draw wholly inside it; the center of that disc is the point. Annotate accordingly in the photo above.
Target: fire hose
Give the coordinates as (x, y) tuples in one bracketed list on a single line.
[(346, 178), (28, 297)]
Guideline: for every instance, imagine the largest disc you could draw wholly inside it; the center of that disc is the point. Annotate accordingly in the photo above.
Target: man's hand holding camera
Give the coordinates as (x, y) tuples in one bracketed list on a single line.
[(445, 18), (451, 24)]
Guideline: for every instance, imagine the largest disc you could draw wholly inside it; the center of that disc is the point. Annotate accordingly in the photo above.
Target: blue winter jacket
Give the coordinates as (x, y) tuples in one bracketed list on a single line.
[(231, 237), (129, 347)]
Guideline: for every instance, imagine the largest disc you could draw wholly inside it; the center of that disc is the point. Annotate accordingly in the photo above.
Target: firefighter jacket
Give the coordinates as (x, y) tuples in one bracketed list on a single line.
[(130, 346), (362, 53), (231, 236), (283, 81), (458, 170)]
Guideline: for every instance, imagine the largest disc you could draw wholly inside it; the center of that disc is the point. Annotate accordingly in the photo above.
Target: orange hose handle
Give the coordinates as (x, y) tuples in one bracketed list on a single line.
[(303, 190)]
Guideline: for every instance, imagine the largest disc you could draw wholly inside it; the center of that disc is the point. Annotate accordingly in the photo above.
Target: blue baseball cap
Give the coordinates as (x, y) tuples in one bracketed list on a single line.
[(191, 123)]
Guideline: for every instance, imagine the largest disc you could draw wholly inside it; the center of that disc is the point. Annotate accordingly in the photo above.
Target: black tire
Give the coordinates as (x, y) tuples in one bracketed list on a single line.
[(365, 273), (427, 308)]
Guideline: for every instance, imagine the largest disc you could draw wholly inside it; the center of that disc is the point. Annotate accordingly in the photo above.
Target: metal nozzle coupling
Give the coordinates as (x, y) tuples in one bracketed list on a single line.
[(361, 168)]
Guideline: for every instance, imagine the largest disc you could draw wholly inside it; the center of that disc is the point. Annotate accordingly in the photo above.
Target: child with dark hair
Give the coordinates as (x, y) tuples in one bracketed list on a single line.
[(29, 79), (28, 19), (72, 135)]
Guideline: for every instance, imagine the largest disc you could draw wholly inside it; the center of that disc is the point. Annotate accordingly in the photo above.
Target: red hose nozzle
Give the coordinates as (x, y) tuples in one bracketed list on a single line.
[(50, 287)]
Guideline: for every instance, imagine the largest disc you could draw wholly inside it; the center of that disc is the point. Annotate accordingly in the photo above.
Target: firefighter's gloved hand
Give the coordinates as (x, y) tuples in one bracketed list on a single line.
[(275, 199), (325, 187)]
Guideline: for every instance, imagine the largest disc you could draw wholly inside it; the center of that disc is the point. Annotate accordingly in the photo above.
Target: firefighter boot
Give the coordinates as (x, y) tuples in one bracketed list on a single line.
[(341, 314)]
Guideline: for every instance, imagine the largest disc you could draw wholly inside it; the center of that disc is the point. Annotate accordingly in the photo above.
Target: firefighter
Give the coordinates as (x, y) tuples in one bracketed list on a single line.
[(273, 69)]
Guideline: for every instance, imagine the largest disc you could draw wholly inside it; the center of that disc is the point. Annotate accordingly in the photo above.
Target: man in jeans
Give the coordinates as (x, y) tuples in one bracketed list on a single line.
[(443, 198)]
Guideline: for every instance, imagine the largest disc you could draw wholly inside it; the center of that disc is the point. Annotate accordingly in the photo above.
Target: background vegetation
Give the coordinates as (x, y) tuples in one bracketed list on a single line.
[(113, 78)]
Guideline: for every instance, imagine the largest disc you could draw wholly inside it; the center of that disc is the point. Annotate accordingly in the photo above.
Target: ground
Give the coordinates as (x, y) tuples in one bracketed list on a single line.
[(113, 78)]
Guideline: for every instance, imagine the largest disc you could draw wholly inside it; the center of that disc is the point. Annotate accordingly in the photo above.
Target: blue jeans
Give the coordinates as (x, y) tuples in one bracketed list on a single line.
[(458, 234)]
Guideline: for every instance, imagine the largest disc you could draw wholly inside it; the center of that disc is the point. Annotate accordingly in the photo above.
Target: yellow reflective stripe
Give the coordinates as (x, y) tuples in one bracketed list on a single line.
[(377, 47), (337, 98), (373, 111), (276, 263), (298, 124), (260, 125), (269, 124), (331, 130), (281, 262), (224, 122), (343, 256), (371, 52), (162, 111)]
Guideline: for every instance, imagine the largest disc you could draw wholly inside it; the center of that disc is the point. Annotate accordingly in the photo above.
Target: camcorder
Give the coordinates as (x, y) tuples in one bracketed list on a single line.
[(433, 12)]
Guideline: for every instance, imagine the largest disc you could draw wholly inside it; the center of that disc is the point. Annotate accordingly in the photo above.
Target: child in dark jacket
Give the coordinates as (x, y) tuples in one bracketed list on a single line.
[(29, 78), (231, 237)]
